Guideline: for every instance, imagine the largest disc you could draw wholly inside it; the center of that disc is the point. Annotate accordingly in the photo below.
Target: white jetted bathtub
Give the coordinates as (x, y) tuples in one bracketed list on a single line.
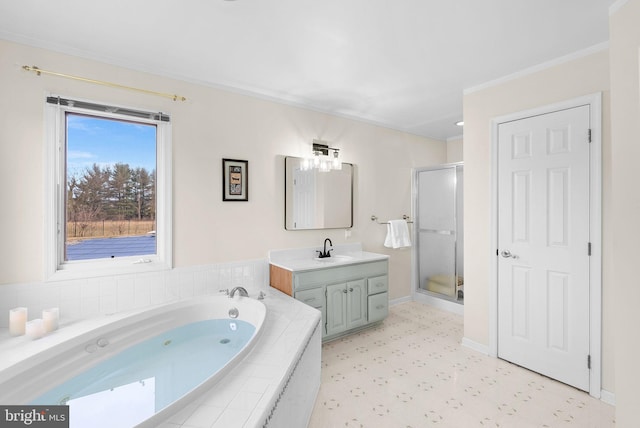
[(143, 366)]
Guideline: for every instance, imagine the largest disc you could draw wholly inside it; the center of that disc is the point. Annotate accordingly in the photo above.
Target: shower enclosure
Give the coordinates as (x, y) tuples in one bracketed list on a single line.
[(439, 231)]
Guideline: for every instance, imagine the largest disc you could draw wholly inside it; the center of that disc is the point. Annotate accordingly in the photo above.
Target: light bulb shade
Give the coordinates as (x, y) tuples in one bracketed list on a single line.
[(335, 163)]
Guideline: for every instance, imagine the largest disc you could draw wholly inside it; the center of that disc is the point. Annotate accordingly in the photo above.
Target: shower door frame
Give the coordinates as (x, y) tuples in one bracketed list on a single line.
[(418, 293)]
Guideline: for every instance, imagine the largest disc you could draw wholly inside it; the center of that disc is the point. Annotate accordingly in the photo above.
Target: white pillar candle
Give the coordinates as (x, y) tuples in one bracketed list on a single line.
[(50, 318), (17, 321), (35, 328)]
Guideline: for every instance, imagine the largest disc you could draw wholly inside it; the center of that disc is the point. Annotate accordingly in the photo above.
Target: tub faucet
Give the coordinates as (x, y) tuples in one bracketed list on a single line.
[(241, 290), (325, 253)]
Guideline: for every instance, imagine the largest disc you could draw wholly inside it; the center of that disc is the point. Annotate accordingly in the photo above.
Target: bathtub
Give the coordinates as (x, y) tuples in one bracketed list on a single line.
[(48, 362)]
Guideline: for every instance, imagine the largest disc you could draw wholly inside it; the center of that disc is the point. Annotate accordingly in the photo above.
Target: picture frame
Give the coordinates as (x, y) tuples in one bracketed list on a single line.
[(235, 180)]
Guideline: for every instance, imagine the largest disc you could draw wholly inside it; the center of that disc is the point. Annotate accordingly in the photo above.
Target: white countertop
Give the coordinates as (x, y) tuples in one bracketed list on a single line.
[(304, 259)]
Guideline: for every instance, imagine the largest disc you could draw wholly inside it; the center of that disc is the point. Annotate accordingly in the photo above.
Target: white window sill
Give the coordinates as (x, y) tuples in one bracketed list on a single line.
[(122, 266)]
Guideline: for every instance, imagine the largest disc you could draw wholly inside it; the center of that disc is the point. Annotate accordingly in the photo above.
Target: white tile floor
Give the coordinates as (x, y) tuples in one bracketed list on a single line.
[(412, 372)]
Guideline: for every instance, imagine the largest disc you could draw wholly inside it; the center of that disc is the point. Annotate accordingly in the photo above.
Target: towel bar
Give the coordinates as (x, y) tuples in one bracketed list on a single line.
[(404, 217)]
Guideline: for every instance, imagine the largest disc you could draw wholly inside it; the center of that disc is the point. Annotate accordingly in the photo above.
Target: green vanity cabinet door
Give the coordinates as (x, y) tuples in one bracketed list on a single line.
[(356, 303), (346, 306), (336, 308)]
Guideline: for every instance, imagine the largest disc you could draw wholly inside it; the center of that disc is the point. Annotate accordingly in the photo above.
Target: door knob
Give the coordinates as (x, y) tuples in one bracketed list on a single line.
[(507, 254)]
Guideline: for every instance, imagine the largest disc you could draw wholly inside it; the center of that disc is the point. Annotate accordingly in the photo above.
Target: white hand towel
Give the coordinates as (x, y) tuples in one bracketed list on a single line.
[(397, 234)]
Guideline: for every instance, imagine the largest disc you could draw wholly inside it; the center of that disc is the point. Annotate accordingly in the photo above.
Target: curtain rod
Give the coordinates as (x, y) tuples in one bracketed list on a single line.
[(39, 71)]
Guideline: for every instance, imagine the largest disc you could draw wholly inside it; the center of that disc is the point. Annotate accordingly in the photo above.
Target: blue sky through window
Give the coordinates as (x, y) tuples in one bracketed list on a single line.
[(106, 142)]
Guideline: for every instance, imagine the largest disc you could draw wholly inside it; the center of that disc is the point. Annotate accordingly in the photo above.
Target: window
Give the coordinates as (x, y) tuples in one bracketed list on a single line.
[(108, 189)]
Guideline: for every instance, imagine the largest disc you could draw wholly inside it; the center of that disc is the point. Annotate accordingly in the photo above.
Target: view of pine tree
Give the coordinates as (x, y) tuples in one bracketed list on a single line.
[(143, 185), (116, 192)]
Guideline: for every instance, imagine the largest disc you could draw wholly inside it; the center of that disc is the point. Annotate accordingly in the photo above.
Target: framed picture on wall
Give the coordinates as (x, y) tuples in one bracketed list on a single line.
[(235, 180)]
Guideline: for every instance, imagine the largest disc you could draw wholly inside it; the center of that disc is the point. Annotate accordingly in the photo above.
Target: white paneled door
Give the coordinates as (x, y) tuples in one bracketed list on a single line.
[(543, 244)]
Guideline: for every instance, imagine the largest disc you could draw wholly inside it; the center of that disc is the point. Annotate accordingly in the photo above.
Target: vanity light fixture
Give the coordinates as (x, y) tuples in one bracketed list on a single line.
[(460, 123), (320, 149)]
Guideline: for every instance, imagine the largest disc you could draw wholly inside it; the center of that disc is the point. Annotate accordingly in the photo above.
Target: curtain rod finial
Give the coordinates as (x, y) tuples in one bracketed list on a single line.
[(31, 68)]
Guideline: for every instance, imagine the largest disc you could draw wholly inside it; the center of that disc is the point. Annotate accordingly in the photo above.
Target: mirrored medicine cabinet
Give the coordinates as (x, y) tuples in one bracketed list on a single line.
[(316, 199)]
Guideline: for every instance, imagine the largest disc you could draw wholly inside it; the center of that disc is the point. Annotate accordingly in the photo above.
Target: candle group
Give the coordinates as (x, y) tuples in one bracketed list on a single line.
[(34, 329)]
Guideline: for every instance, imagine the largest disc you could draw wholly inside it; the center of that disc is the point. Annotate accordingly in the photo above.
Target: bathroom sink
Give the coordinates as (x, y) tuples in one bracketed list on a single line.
[(334, 259)]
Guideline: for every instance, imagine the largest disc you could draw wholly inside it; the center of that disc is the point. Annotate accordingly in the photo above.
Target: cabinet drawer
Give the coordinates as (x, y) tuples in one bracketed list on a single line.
[(377, 284), (313, 297), (378, 306)]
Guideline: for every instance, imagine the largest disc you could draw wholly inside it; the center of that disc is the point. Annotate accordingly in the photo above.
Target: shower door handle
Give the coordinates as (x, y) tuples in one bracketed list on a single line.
[(438, 231)]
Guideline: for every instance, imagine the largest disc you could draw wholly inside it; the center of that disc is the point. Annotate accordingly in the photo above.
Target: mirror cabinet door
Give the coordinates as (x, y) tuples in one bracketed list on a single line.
[(317, 199)]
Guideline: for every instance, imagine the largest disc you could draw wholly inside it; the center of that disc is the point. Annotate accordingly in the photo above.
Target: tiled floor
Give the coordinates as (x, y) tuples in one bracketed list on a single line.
[(412, 372)]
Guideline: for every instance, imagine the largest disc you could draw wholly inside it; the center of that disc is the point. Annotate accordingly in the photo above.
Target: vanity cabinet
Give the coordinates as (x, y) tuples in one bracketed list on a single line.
[(346, 306), (350, 296)]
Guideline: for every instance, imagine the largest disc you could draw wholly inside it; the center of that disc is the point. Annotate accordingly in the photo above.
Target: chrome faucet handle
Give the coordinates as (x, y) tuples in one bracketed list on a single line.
[(225, 291), (243, 292)]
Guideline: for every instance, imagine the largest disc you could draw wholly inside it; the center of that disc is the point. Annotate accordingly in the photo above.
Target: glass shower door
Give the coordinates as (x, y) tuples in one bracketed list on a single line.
[(436, 223)]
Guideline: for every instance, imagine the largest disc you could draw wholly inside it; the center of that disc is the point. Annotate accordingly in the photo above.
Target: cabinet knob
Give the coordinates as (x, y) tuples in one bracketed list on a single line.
[(351, 289), (344, 291)]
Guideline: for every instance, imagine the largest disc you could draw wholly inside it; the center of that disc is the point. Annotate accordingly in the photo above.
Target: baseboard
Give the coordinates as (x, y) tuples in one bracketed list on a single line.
[(468, 343), (608, 397), (404, 299)]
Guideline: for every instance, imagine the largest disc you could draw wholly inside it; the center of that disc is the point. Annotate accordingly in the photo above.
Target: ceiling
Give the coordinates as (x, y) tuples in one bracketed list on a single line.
[(402, 64)]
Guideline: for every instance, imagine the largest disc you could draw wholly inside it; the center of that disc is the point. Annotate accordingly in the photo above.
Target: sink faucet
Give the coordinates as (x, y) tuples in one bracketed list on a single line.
[(241, 290), (325, 253)]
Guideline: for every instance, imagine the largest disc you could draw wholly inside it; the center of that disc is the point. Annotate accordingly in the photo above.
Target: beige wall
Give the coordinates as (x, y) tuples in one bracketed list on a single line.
[(625, 134), (454, 150), (213, 124), (586, 75)]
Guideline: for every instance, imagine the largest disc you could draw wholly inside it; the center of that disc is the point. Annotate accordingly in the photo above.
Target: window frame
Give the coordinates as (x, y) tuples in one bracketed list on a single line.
[(56, 268)]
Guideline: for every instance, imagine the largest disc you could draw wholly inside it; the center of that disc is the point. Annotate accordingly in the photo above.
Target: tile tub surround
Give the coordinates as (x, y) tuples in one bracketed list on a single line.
[(92, 297), (265, 385), (411, 371)]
